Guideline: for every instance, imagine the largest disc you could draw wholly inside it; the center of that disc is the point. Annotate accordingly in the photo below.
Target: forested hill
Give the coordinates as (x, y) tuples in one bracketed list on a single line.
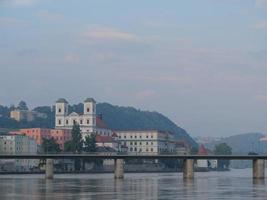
[(244, 143), (129, 118), (116, 117)]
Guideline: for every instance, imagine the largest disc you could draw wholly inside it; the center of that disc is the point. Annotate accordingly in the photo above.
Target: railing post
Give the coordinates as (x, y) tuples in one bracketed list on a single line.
[(118, 168), (188, 169), (49, 169), (258, 169)]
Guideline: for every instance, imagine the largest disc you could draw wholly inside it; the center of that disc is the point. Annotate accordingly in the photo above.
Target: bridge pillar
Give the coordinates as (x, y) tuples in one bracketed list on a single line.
[(49, 169), (188, 169), (118, 168), (258, 169)]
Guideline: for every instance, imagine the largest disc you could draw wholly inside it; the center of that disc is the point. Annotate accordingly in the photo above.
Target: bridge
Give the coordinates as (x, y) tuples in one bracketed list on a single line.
[(188, 161)]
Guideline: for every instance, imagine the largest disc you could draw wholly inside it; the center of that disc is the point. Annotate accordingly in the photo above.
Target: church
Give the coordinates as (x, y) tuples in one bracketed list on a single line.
[(89, 121)]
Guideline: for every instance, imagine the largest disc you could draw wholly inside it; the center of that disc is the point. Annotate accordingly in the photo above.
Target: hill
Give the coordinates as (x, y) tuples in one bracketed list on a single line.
[(116, 117), (243, 143), (129, 118)]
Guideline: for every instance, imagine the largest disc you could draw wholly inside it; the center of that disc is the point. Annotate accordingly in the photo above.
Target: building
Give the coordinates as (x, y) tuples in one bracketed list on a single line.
[(18, 144), (204, 165), (26, 115), (88, 121), (66, 120), (147, 141), (108, 142), (60, 135), (102, 128)]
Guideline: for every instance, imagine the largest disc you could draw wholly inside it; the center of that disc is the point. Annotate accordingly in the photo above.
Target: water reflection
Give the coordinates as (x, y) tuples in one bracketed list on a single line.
[(226, 185)]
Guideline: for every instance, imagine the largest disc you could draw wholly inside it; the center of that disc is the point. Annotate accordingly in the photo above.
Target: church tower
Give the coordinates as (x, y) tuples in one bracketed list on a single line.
[(61, 112), (89, 111)]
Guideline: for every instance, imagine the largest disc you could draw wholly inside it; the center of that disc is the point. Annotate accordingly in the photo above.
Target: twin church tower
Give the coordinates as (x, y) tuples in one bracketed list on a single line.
[(66, 120)]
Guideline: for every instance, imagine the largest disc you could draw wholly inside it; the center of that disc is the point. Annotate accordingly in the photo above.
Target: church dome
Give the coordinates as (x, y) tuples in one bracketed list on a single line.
[(61, 100)]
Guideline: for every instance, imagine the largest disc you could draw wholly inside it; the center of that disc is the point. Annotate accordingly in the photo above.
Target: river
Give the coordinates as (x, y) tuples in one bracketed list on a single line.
[(235, 184)]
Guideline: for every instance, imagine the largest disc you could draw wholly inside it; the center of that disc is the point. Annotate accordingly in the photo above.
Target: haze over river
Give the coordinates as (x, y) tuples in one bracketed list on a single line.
[(236, 184)]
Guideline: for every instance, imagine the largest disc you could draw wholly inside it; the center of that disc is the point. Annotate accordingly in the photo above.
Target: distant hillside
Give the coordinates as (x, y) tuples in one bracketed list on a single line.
[(244, 143), (116, 117), (129, 118)]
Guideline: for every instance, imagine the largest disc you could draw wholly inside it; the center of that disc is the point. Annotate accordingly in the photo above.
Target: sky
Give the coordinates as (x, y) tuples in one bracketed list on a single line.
[(201, 63)]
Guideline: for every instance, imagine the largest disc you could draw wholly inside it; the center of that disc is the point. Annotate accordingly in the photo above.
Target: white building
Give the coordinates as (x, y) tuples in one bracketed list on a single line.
[(66, 120), (147, 141), (18, 144)]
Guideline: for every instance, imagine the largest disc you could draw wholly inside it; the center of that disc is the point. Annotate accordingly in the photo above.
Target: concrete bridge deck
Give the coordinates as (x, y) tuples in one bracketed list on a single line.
[(132, 156), (188, 160)]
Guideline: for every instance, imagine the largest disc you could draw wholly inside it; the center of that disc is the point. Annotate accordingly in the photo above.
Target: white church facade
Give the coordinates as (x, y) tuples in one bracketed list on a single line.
[(87, 120)]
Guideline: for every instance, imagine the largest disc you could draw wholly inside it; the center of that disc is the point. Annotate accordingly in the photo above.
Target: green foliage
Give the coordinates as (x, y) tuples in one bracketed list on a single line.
[(128, 118), (50, 146), (223, 149), (23, 105), (90, 143), (77, 142)]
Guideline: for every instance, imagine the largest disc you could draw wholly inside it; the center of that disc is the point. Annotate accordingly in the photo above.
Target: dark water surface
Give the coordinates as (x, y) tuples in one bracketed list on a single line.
[(236, 184)]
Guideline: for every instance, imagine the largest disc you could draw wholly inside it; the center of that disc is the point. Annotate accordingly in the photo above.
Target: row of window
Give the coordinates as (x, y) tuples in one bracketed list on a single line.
[(140, 150), (135, 137), (87, 110), (73, 122), (140, 143)]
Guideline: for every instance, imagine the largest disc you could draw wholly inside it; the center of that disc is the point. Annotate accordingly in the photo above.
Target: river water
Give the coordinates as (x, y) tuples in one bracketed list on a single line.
[(236, 184)]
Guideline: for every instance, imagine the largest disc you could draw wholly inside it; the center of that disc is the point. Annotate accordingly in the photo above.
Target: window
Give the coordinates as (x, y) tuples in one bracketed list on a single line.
[(140, 136), (67, 121), (151, 136), (151, 143), (74, 121), (135, 149), (125, 136), (131, 143), (135, 136), (147, 136), (59, 122), (146, 149), (81, 121), (87, 121), (146, 143), (131, 149), (119, 136), (151, 149), (140, 143), (87, 109), (59, 110), (135, 143), (131, 136)]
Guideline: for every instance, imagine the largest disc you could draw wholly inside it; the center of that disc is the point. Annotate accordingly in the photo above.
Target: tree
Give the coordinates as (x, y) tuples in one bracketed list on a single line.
[(75, 145), (223, 149), (23, 105), (77, 141), (50, 146), (90, 143)]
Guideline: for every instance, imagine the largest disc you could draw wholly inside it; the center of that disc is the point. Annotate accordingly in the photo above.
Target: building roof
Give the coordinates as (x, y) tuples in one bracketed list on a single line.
[(104, 139), (61, 100), (202, 150), (100, 123), (89, 100)]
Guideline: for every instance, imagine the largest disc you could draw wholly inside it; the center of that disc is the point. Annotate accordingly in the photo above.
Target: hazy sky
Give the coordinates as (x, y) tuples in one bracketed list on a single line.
[(201, 63)]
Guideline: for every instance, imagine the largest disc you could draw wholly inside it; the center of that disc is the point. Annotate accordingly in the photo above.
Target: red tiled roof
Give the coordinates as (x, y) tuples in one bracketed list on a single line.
[(114, 135), (104, 139), (100, 123), (202, 150)]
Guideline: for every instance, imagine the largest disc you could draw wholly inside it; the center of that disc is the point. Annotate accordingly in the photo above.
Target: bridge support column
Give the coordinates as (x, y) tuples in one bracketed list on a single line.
[(49, 169), (188, 169), (118, 168), (258, 169)]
